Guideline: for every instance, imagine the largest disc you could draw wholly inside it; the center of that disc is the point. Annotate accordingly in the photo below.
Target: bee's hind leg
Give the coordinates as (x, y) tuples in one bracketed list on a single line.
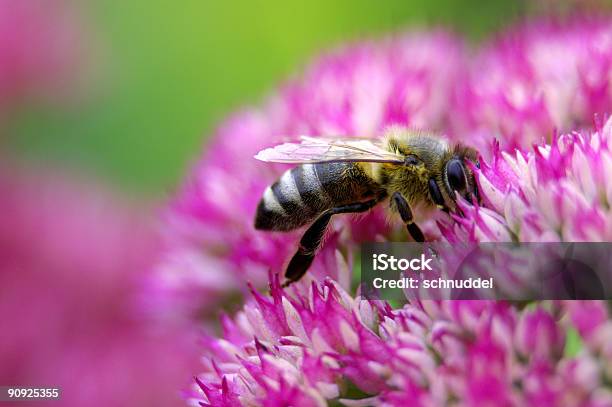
[(311, 240), (406, 214)]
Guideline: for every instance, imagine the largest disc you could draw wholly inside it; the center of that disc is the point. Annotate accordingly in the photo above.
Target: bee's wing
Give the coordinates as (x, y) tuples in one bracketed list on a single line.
[(316, 150)]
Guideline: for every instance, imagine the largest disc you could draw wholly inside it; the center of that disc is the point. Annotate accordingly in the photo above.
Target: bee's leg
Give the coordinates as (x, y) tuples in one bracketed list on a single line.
[(311, 240), (436, 195), (406, 214)]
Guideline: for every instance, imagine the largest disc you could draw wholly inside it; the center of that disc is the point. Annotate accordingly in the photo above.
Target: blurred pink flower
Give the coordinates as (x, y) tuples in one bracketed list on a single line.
[(41, 50), (538, 77), (365, 88), (212, 246), (71, 263), (319, 345)]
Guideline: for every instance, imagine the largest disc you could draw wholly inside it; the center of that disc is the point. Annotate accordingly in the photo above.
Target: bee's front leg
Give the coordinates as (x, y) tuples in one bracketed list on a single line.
[(406, 214), (311, 240)]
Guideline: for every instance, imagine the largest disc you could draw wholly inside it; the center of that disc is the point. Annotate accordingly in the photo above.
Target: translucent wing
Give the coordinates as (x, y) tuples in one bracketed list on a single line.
[(316, 150)]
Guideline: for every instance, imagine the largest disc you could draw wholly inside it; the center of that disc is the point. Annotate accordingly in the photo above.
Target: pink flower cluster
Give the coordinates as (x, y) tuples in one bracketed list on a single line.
[(322, 345), (556, 192), (536, 78)]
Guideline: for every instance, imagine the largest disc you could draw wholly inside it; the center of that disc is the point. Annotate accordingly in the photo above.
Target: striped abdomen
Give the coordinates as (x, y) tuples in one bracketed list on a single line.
[(304, 192)]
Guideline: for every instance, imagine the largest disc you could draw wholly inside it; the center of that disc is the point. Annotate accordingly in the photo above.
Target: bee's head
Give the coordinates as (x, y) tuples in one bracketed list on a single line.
[(458, 176)]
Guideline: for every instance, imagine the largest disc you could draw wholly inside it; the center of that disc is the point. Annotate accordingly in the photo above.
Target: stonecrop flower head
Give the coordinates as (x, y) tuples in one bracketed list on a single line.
[(322, 345), (542, 76), (212, 246), (556, 192), (71, 259)]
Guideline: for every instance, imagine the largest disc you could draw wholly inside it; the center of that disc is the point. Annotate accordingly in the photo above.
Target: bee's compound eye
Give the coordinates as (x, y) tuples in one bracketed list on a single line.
[(455, 175)]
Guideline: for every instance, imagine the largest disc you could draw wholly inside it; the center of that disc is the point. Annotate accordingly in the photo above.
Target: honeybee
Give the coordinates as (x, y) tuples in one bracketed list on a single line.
[(352, 175)]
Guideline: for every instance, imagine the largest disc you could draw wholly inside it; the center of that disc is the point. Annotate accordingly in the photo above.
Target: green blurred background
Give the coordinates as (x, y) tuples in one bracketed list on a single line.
[(168, 72)]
